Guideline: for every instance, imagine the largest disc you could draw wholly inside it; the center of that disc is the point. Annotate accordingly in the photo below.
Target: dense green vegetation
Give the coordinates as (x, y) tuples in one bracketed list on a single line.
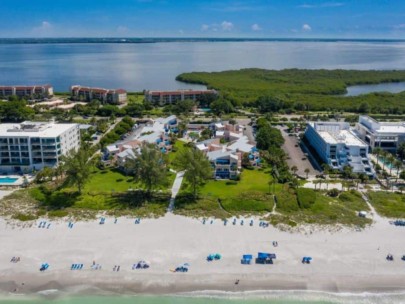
[(293, 89), (120, 129), (222, 198), (388, 204), (106, 190), (309, 206)]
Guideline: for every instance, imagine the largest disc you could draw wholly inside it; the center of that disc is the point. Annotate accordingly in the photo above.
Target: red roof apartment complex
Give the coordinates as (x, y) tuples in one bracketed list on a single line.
[(104, 95), (32, 92), (169, 97)]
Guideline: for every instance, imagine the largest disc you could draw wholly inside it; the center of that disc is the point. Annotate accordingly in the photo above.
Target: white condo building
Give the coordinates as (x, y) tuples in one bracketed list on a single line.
[(337, 145), (31, 146), (386, 135)]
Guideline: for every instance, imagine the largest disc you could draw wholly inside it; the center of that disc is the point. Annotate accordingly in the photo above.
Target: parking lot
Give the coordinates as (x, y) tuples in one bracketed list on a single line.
[(297, 157)]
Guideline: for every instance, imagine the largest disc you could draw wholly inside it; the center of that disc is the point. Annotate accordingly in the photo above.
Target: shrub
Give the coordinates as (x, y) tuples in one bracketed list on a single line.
[(24, 217), (231, 182), (58, 213), (333, 192), (306, 197)]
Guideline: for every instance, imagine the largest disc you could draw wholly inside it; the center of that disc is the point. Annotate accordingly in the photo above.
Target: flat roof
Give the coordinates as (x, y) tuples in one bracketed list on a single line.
[(34, 129), (342, 137)]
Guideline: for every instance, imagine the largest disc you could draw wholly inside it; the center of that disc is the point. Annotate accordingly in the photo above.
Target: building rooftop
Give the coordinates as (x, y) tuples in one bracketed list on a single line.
[(241, 145), (34, 129), (341, 137)]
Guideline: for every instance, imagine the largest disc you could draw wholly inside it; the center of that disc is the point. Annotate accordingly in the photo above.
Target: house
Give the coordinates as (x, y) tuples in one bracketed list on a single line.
[(226, 164)]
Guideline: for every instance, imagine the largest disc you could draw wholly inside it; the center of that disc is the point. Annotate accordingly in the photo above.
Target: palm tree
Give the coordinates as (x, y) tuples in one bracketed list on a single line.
[(391, 160), (377, 151), (384, 156), (398, 165), (294, 169), (307, 171)]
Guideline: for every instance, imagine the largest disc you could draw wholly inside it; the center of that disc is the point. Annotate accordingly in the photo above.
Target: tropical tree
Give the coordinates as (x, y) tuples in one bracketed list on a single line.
[(44, 175), (401, 151), (77, 166), (294, 169), (377, 152), (391, 160), (196, 166), (148, 167), (398, 165), (307, 171)]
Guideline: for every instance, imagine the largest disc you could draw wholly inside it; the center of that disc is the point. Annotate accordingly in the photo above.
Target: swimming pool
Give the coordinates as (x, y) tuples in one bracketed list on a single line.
[(8, 180)]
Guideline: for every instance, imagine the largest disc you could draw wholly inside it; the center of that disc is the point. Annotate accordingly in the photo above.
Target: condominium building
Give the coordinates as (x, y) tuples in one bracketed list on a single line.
[(31, 146), (226, 164), (80, 93), (170, 97), (386, 135), (338, 146), (32, 92)]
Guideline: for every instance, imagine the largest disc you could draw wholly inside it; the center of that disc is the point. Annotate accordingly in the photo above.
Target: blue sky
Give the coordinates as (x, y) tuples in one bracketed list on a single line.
[(203, 18)]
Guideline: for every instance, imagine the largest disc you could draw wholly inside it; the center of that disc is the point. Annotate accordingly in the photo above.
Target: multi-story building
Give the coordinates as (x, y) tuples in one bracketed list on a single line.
[(170, 97), (386, 135), (30, 146), (226, 164), (338, 146), (80, 93), (31, 92)]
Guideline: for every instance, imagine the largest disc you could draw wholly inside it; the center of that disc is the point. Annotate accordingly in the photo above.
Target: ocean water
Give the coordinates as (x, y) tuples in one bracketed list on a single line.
[(139, 66)]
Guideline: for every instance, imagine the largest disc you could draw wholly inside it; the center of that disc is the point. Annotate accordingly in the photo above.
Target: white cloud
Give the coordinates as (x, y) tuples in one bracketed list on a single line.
[(205, 27), (227, 26), (256, 27), (45, 29), (325, 4), (306, 27)]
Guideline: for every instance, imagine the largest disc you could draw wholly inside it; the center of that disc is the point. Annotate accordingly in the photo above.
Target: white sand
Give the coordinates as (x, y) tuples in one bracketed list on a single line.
[(342, 261)]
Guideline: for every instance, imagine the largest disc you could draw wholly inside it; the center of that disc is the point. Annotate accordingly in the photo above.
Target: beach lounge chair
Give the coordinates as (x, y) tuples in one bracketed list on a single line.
[(210, 257), (246, 259), (44, 267)]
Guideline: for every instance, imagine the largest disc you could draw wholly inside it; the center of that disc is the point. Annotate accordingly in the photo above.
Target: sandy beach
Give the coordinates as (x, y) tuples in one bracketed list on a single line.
[(343, 260)]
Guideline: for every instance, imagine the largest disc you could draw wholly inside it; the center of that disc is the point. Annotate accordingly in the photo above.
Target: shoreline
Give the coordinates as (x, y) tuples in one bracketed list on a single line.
[(345, 261)]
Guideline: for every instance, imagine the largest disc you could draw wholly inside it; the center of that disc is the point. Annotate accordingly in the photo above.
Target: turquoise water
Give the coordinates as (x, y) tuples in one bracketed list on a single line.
[(293, 297), (7, 180)]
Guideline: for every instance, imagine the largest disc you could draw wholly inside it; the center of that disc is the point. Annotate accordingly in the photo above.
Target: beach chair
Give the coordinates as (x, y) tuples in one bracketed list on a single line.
[(210, 257), (217, 256), (246, 259)]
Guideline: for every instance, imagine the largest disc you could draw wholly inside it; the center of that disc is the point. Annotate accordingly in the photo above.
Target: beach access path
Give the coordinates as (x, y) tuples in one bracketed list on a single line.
[(175, 189)]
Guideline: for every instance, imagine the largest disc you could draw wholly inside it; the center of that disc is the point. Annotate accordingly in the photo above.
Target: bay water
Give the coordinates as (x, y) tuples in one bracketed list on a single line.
[(143, 66)]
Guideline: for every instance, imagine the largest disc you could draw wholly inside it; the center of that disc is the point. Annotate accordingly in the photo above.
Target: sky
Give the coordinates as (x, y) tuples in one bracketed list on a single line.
[(203, 18)]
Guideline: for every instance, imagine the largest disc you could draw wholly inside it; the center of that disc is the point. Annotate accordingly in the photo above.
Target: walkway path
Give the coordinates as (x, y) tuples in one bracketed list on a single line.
[(175, 189)]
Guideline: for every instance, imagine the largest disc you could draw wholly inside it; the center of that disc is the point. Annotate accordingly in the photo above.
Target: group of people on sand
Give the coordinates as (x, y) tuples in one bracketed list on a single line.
[(15, 259)]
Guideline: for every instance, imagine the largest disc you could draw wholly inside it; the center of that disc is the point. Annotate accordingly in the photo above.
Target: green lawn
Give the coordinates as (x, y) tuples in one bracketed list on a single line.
[(178, 146), (388, 204), (107, 190)]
